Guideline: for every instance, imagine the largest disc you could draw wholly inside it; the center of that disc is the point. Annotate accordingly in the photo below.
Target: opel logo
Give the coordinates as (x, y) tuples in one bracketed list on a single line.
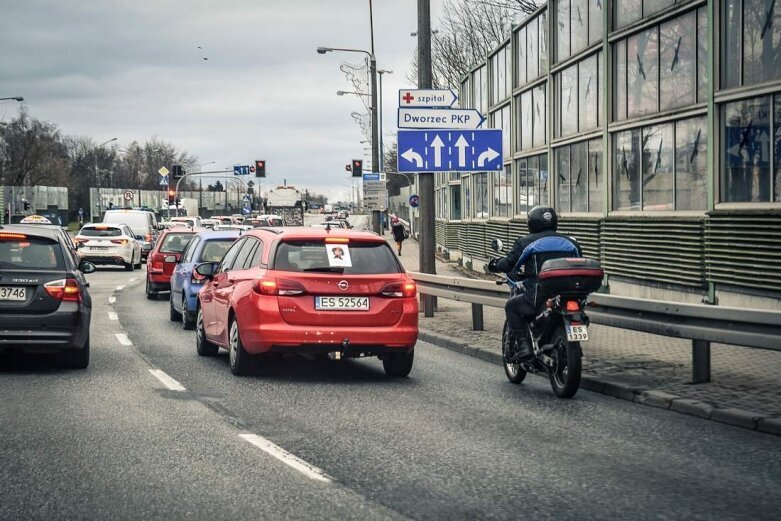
[(343, 285)]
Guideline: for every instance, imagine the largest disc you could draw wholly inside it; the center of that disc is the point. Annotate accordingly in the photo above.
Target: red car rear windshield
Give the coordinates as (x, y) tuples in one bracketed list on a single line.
[(365, 258), (30, 253), (175, 242)]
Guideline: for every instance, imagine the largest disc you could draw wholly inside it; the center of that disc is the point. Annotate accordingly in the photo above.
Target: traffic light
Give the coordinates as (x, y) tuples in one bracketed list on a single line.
[(171, 196), (357, 167), (178, 171), (260, 168), (26, 205)]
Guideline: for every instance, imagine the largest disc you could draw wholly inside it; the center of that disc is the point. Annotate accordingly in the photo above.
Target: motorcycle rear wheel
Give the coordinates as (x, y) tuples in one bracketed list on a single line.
[(566, 371), (514, 372)]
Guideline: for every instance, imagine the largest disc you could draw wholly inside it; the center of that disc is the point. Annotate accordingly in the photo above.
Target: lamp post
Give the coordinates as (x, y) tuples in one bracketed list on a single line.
[(376, 224), (97, 178), (379, 117)]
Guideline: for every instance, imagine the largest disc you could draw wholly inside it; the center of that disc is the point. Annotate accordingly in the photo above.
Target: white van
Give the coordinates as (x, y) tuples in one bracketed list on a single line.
[(143, 223)]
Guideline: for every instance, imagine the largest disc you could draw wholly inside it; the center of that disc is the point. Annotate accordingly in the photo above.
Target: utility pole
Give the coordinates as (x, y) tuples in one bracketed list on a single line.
[(376, 214), (426, 180)]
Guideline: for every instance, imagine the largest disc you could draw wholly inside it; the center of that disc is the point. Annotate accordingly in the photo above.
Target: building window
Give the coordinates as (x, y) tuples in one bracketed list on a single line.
[(467, 198), (661, 167), (532, 182), (580, 177), (480, 188), (756, 56), (503, 193), (530, 43), (530, 119), (499, 74), (455, 202), (752, 150), (539, 137), (657, 69), (578, 96), (578, 24), (480, 89), (501, 119)]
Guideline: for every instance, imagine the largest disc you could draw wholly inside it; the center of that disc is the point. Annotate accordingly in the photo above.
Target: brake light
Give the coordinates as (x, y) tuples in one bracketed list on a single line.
[(265, 287), (148, 237), (119, 241), (573, 306), (80, 241), (336, 240), (8, 236), (400, 289), (197, 278), (281, 287), (65, 290)]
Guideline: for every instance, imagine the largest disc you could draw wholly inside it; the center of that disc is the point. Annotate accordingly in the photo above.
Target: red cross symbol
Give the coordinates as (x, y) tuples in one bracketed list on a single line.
[(408, 97)]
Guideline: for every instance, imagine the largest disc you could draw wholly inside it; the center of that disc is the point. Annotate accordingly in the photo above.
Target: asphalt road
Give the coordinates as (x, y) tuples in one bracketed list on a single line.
[(455, 440)]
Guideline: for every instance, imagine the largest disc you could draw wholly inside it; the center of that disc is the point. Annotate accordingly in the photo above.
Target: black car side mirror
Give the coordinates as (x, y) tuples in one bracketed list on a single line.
[(140, 238), (206, 269), (87, 267)]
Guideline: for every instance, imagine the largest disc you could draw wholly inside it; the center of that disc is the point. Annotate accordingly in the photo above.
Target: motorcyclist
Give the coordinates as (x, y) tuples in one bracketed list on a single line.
[(526, 257)]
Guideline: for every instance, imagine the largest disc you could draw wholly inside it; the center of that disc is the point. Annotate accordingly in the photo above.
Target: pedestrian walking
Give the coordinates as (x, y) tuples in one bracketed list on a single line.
[(398, 231)]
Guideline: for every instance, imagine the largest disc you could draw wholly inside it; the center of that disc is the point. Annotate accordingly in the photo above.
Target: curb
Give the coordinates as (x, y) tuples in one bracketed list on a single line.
[(731, 416)]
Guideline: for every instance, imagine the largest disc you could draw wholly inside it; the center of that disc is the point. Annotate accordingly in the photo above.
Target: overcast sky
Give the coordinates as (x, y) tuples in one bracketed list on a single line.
[(133, 70)]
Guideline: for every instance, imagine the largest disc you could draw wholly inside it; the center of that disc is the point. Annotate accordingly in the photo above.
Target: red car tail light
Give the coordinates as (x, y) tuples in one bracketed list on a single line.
[(77, 240), (407, 288), (573, 306), (157, 263), (119, 241), (65, 290), (148, 237), (282, 287)]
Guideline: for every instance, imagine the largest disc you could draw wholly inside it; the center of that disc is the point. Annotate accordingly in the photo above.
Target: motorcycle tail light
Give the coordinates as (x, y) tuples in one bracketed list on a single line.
[(573, 306)]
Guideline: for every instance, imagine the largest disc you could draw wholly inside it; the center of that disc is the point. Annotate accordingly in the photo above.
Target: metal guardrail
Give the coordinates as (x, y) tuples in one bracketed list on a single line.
[(700, 323)]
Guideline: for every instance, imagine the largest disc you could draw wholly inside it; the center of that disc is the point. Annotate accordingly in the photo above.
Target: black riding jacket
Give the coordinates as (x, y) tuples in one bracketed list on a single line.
[(507, 263)]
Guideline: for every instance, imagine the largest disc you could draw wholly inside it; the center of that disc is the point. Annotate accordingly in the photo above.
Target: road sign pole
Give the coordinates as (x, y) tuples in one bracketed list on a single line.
[(376, 219), (426, 180)]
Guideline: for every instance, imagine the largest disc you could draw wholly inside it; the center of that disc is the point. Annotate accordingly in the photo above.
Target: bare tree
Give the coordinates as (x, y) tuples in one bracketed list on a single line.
[(32, 152)]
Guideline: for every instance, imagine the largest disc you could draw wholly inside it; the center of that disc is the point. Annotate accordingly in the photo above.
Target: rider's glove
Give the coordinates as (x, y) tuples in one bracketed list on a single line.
[(492, 265)]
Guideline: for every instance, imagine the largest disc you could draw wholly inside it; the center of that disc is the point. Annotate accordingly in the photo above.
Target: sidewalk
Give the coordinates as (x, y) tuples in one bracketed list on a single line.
[(746, 383)]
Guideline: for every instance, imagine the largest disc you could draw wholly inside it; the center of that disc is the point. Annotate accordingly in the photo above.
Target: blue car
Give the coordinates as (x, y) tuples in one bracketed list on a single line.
[(185, 284)]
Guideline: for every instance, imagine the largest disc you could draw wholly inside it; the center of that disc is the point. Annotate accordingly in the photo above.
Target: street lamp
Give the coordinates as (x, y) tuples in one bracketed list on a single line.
[(379, 117), (97, 178), (374, 100), (14, 98), (343, 92)]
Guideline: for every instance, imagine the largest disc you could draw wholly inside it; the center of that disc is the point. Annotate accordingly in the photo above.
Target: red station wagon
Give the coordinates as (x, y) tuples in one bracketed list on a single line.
[(337, 292), (163, 258)]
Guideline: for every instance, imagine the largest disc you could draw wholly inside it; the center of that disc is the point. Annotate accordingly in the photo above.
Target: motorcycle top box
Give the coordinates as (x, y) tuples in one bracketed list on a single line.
[(571, 277)]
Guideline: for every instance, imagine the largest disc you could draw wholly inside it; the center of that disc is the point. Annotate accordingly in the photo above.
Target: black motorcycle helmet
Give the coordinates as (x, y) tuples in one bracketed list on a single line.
[(542, 218)]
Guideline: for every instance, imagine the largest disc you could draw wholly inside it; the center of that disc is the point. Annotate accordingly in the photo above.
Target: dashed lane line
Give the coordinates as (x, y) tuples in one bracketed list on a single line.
[(287, 458), (112, 315), (112, 300), (133, 279), (120, 288), (169, 382), (123, 339)]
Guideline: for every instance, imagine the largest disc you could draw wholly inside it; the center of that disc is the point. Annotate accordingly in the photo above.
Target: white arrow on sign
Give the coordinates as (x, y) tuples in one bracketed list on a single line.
[(488, 155), (413, 157), (424, 118), (437, 145), (462, 145)]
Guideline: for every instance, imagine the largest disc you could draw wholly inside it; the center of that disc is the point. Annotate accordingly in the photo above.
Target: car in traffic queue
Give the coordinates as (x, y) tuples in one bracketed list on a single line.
[(142, 222), (192, 222), (225, 219), (209, 223), (336, 293), (163, 258), (333, 223), (113, 244), (45, 306), (209, 246)]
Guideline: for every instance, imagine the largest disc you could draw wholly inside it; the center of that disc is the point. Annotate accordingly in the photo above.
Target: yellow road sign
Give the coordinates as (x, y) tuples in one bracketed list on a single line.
[(163, 171)]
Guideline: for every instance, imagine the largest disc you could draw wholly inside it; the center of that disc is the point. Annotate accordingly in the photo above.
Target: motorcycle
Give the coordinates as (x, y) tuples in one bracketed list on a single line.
[(559, 327)]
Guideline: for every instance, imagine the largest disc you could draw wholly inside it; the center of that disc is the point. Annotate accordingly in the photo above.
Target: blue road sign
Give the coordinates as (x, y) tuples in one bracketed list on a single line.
[(163, 180), (414, 201), (371, 177), (450, 150), (241, 170)]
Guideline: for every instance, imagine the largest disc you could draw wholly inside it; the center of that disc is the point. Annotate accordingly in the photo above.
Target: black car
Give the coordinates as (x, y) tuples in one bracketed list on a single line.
[(44, 303)]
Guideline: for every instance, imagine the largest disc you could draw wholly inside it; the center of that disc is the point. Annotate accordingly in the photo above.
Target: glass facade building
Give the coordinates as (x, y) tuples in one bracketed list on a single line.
[(654, 128)]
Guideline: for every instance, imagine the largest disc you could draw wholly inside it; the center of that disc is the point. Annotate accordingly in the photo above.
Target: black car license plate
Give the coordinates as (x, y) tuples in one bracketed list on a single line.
[(12, 293)]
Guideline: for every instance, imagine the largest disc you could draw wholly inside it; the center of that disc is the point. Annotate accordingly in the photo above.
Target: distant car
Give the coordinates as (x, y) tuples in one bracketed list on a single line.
[(333, 223), (302, 290), (225, 219), (44, 303), (142, 222), (235, 227), (164, 257), (192, 222), (185, 283), (265, 220), (114, 244), (342, 214), (209, 223)]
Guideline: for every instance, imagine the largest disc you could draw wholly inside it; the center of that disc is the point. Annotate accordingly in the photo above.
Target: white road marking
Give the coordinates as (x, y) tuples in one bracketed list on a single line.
[(120, 288), (133, 279), (285, 457), (112, 300), (123, 339), (112, 316), (167, 380)]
